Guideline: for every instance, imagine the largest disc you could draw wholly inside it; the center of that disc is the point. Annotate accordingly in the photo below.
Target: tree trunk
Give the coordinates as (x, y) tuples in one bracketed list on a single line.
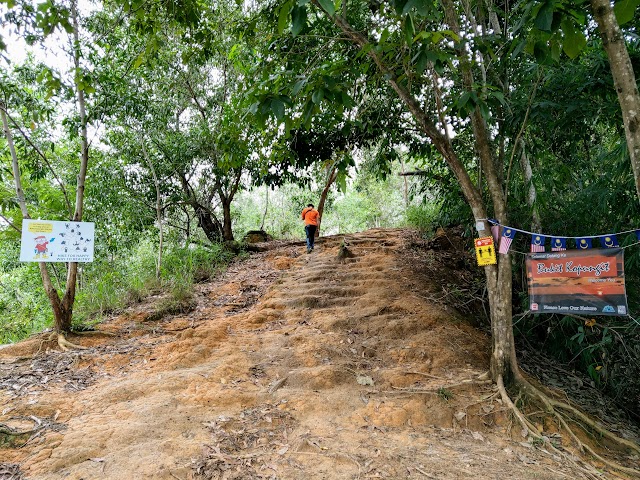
[(499, 277), (504, 362), (624, 80), (210, 225), (227, 231), (226, 197), (405, 192), (207, 221), (22, 201), (536, 224), (266, 208), (63, 324), (61, 312), (158, 207), (332, 175)]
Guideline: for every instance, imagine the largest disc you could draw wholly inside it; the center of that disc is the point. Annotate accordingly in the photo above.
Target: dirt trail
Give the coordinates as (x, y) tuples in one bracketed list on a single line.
[(293, 366)]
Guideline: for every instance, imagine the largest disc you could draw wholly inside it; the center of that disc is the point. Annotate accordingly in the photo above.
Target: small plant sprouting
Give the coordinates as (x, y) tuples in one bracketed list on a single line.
[(537, 441), (445, 394)]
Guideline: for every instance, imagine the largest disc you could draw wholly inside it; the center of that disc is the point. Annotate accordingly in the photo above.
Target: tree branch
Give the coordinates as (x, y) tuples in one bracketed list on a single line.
[(45, 160)]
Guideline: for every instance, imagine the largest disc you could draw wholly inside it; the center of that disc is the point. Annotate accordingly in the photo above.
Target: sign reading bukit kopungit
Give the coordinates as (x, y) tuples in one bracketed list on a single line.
[(52, 241), (584, 282)]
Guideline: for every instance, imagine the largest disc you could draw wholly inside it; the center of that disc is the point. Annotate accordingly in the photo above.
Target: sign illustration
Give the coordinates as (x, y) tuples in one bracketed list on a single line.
[(587, 282), (52, 241), (485, 251)]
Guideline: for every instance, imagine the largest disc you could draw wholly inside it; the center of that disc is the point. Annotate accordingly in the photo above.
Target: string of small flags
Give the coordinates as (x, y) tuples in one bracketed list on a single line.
[(557, 243)]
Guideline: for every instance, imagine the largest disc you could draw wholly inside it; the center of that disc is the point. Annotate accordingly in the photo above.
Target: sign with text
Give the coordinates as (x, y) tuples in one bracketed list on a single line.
[(485, 251), (52, 241), (583, 282)]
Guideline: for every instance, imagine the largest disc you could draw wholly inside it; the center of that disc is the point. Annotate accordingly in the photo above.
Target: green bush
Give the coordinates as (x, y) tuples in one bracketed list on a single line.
[(104, 286), (424, 217), (24, 307), (185, 265)]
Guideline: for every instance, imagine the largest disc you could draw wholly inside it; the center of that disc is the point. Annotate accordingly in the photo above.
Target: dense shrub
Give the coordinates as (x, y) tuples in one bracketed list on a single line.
[(104, 286)]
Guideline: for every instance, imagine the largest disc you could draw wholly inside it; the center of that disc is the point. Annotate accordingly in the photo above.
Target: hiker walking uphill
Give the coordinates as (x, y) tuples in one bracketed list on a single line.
[(310, 216)]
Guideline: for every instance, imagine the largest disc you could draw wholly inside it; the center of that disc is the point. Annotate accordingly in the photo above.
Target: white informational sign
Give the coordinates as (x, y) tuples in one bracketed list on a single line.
[(51, 241)]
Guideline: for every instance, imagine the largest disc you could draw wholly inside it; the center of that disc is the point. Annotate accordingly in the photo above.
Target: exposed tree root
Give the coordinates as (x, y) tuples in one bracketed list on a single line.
[(66, 345), (437, 389), (551, 407), (95, 332), (16, 438), (7, 430), (593, 425)]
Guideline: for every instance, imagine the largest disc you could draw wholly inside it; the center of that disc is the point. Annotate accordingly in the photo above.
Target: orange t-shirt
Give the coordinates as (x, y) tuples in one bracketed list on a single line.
[(310, 216)]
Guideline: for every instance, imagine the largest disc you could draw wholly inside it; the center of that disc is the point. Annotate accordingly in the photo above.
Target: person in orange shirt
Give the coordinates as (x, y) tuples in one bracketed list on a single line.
[(310, 216)]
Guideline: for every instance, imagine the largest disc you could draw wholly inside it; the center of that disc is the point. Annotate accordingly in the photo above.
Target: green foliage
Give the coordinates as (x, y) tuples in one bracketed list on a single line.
[(106, 286), (378, 204), (283, 213), (24, 309), (424, 217), (606, 350), (184, 265), (180, 300), (625, 10)]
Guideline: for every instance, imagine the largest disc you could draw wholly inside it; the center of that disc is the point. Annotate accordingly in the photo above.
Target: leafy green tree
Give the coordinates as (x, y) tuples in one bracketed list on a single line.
[(62, 306)]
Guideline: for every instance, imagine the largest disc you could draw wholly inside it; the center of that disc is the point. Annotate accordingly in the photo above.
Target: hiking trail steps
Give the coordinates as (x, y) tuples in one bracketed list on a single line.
[(292, 366)]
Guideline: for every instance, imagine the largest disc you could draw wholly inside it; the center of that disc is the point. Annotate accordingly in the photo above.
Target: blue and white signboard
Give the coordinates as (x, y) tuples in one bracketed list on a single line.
[(51, 241)]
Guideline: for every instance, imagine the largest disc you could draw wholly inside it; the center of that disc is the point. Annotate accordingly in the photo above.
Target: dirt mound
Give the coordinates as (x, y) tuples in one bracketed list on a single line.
[(292, 366)]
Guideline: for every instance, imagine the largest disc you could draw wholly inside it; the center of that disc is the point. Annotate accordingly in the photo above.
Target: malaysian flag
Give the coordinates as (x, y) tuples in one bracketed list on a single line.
[(508, 235), (558, 244), (609, 241), (537, 243), (584, 243)]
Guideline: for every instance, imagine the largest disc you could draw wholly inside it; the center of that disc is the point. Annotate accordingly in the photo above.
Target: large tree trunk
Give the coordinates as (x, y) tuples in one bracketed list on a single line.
[(227, 231), (209, 224), (207, 221), (226, 197), (499, 277), (624, 80)]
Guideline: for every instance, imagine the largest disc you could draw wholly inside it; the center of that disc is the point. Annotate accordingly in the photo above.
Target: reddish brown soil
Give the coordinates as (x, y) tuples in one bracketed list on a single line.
[(293, 366)]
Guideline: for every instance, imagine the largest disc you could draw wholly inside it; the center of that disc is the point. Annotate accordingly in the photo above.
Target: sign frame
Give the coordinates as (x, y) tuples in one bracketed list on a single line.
[(57, 241), (581, 282)]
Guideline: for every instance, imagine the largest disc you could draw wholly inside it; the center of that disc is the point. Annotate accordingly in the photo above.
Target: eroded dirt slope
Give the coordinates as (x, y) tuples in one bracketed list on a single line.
[(292, 366)]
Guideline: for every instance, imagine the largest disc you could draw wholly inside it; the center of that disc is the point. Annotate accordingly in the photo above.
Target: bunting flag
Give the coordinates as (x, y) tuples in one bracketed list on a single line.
[(504, 235), (584, 243), (508, 234), (558, 244), (609, 241), (537, 243), (495, 233)]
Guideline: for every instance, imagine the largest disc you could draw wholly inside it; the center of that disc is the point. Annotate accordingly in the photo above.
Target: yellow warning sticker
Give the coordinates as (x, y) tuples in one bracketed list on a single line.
[(485, 251)]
